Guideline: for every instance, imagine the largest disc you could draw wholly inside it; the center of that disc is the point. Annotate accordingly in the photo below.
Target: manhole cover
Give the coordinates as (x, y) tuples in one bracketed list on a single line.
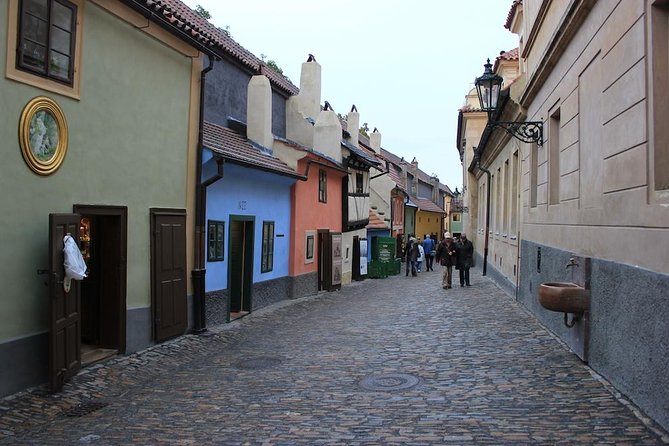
[(261, 362), (389, 382), (85, 408)]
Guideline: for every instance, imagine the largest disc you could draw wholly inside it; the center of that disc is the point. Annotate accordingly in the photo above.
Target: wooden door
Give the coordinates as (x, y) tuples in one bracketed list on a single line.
[(168, 272), (65, 308), (324, 260), (240, 277)]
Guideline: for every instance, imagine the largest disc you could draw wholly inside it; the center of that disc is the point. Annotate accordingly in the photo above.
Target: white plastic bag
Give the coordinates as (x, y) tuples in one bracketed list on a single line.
[(75, 266)]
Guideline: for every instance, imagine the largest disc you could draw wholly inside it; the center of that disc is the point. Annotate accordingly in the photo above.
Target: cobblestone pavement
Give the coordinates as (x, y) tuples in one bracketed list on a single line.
[(397, 361)]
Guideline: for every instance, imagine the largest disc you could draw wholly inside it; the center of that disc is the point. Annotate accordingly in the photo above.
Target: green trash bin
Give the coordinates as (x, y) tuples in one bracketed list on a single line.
[(377, 270)]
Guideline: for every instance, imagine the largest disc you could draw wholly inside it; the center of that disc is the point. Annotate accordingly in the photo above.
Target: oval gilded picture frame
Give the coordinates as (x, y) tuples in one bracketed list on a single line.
[(43, 135)]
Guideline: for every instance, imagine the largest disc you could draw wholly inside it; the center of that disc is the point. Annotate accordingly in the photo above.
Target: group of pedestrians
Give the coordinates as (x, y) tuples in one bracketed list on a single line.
[(448, 253), (418, 253), (455, 253)]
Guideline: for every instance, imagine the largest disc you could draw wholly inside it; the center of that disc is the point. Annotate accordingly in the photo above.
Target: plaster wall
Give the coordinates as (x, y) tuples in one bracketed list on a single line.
[(428, 223), (226, 97), (347, 258), (309, 214), (128, 146), (246, 191), (627, 322), (599, 84)]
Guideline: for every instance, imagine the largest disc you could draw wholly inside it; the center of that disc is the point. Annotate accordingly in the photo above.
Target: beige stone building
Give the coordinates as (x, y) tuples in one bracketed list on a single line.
[(591, 204)]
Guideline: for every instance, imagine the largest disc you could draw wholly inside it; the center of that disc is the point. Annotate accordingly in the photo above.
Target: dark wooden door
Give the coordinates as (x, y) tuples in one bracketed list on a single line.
[(324, 260), (240, 278), (168, 268), (355, 260), (65, 308)]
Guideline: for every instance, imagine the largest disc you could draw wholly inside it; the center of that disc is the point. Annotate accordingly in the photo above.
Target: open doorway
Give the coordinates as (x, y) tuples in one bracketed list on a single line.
[(240, 269), (103, 243)]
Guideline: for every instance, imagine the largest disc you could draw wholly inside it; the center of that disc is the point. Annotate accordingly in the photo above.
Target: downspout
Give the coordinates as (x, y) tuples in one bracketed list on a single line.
[(487, 217), (199, 271)]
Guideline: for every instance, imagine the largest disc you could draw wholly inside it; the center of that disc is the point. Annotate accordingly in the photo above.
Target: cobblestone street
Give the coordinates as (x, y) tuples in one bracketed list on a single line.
[(381, 362)]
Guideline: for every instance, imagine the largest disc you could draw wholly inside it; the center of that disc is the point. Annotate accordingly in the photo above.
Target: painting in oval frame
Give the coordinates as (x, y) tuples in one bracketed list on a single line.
[(43, 135)]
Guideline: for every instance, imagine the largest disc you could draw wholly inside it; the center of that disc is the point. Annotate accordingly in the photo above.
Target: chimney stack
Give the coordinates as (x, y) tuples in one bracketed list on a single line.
[(310, 88), (353, 125), (259, 111), (375, 141), (327, 133)]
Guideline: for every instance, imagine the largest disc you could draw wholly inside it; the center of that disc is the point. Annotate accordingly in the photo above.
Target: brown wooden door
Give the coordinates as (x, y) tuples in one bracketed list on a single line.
[(324, 260), (168, 266), (65, 308), (240, 260)]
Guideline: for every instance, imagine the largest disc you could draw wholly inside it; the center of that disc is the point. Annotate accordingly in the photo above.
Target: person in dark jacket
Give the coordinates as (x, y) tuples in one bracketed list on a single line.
[(447, 257), (411, 255), (465, 251)]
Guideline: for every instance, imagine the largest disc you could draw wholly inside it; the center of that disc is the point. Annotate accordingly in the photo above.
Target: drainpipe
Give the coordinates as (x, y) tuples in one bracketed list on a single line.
[(199, 271), (487, 218)]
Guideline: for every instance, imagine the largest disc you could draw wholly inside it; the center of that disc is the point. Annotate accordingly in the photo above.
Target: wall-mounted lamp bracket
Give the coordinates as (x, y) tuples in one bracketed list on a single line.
[(529, 131)]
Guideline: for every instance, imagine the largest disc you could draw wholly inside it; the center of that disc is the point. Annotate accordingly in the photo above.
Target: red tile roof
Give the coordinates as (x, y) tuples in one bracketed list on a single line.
[(238, 150), (425, 204), (190, 22), (512, 12), (375, 222)]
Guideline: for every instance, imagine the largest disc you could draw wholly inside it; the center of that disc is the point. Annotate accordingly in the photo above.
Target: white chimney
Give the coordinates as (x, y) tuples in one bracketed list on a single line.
[(327, 134), (353, 125), (310, 88), (375, 141), (259, 111)]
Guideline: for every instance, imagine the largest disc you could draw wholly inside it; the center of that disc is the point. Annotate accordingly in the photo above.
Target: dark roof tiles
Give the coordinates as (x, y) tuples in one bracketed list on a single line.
[(196, 26), (239, 150)]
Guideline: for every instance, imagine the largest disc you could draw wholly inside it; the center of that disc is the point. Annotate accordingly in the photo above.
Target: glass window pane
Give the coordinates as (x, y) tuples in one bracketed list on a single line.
[(59, 66), (220, 232), (61, 16), (37, 8), (34, 56), (35, 29), (212, 250), (60, 40)]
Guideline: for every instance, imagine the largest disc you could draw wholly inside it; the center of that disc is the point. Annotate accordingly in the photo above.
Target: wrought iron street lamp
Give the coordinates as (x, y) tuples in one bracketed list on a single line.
[(489, 88)]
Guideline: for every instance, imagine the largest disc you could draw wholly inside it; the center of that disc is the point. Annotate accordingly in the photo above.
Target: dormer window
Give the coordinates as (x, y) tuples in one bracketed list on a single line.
[(46, 39)]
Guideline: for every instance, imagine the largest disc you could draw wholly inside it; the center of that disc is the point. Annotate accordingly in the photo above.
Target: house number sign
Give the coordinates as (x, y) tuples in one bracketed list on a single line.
[(242, 205)]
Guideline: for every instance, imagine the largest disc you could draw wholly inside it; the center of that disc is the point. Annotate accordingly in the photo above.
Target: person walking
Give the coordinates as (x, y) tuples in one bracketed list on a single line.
[(421, 256), (447, 257), (429, 248), (465, 252), (411, 254)]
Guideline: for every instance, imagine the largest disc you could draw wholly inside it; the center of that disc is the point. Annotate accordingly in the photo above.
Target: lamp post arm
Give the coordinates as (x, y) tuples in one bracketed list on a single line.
[(528, 131)]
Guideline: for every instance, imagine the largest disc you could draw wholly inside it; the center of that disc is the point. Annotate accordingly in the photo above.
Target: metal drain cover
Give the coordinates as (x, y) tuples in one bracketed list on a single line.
[(82, 409), (260, 362), (389, 382)]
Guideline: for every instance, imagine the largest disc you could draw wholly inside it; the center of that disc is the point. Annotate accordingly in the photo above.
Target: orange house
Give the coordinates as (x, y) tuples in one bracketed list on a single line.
[(317, 225)]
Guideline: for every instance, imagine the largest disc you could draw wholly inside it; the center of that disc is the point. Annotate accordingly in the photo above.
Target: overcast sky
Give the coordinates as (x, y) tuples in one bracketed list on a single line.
[(406, 65)]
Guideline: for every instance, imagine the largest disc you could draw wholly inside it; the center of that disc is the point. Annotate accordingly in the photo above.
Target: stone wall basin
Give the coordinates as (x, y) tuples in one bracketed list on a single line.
[(564, 297)]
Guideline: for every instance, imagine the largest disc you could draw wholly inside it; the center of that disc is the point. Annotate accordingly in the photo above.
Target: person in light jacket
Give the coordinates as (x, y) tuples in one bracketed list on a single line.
[(421, 256)]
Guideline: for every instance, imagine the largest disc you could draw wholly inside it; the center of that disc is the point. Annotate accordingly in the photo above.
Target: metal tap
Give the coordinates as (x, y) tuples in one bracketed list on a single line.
[(572, 262)]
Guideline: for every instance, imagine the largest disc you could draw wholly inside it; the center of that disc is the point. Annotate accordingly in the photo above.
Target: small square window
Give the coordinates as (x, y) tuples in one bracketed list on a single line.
[(215, 241), (309, 241), (267, 262)]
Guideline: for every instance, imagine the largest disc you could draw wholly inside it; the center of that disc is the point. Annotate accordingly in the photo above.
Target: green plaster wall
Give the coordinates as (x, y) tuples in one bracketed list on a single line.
[(127, 147)]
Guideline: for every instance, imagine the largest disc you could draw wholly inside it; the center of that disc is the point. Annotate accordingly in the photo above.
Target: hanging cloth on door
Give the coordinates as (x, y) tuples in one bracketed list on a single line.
[(75, 266)]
